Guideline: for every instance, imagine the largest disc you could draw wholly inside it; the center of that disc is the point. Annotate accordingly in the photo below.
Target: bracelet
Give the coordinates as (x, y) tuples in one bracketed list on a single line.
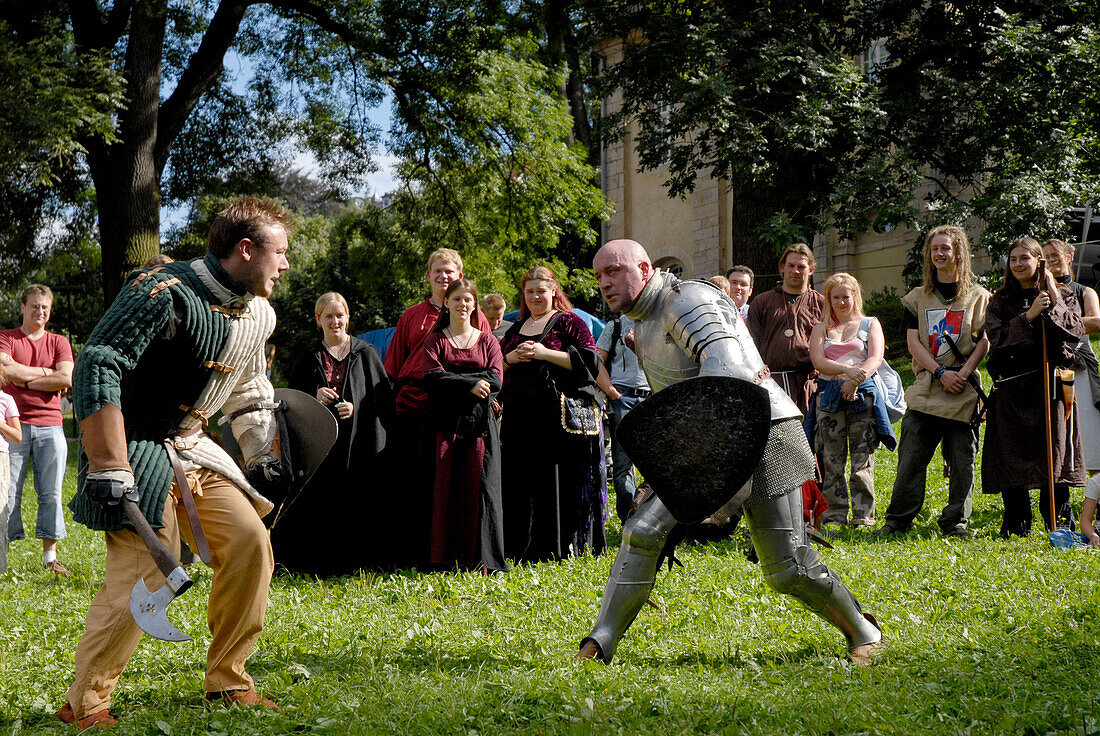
[(506, 361), (939, 372)]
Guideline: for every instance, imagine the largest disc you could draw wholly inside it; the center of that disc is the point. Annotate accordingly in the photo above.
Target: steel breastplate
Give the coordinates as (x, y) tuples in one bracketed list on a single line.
[(702, 313)]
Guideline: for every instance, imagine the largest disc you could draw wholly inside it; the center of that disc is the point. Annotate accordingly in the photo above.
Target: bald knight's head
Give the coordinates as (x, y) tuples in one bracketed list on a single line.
[(622, 269)]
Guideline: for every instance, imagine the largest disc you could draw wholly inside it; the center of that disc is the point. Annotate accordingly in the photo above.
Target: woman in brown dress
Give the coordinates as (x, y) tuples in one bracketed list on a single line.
[(1014, 458)]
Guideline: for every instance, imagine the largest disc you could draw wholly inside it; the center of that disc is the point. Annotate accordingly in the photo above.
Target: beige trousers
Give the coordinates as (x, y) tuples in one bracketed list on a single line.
[(242, 563)]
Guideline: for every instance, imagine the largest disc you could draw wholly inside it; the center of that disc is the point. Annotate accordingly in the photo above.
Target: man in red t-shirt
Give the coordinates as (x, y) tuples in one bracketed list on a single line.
[(38, 366)]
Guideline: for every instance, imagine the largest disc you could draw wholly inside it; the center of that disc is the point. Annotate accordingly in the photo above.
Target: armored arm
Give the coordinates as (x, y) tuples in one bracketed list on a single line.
[(707, 327)]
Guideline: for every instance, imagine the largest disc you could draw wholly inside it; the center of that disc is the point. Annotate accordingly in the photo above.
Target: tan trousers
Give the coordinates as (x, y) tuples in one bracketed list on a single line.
[(242, 563)]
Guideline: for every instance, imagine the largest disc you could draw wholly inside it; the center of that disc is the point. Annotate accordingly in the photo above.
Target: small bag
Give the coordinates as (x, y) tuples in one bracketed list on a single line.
[(580, 415)]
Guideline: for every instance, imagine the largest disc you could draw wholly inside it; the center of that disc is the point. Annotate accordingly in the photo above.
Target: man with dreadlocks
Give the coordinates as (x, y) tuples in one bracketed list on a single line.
[(943, 400)]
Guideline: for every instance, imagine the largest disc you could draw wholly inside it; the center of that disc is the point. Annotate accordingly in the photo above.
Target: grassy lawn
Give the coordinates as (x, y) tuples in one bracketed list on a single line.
[(984, 636)]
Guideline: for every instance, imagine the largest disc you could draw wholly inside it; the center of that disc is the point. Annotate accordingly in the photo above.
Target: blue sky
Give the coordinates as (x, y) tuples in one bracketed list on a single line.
[(378, 182)]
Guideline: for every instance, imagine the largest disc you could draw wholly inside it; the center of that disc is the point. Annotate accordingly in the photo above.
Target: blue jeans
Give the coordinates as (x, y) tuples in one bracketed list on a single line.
[(47, 447), (623, 471)]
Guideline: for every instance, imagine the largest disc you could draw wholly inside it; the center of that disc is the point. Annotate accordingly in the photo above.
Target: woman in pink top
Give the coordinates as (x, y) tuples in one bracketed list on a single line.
[(846, 348)]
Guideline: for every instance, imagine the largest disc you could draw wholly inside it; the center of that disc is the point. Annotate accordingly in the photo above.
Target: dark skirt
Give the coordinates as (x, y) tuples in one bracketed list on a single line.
[(555, 489)]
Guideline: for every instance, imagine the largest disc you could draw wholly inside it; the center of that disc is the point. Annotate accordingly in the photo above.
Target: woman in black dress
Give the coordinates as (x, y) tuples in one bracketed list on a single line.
[(555, 489), (345, 374), (1014, 456)]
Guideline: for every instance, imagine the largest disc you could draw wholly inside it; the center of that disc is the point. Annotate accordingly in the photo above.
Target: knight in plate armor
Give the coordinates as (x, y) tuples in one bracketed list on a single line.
[(683, 330)]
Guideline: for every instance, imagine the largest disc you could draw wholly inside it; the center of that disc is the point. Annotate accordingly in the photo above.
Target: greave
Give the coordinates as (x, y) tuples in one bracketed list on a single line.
[(632, 574), (792, 567)]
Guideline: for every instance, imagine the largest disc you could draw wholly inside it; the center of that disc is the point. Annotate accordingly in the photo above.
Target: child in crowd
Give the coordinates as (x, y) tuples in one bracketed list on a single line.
[(10, 431), (1088, 511)]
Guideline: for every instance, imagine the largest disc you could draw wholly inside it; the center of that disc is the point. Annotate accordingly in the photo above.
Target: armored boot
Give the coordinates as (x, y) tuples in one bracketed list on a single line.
[(792, 567), (632, 577)]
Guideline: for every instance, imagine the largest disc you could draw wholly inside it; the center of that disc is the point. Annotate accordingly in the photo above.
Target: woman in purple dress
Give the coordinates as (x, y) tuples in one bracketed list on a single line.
[(555, 495), (462, 373)]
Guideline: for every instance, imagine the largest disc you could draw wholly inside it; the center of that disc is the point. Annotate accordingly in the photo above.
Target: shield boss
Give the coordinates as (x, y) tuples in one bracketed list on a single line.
[(698, 442)]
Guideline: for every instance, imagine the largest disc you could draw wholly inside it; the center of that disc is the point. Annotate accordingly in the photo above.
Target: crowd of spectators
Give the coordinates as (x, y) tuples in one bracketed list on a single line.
[(477, 435)]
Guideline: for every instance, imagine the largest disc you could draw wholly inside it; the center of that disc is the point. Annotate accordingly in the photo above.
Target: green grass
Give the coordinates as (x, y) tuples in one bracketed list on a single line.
[(984, 637)]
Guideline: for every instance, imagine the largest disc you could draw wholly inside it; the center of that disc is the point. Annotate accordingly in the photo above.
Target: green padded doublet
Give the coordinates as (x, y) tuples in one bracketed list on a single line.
[(128, 363)]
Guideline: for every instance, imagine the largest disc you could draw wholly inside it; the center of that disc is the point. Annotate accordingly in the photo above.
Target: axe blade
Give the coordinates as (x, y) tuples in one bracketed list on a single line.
[(148, 609)]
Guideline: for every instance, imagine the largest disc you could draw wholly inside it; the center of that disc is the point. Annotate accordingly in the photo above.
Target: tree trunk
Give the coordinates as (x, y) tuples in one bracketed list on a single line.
[(750, 208), (127, 179)]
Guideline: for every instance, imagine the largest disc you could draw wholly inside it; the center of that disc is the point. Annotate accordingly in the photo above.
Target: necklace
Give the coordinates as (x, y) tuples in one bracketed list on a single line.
[(471, 338), (842, 327), (340, 350), (548, 313)]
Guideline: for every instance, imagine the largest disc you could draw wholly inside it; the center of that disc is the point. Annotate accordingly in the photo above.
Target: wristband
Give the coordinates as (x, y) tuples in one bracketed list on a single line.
[(939, 372), (506, 361)]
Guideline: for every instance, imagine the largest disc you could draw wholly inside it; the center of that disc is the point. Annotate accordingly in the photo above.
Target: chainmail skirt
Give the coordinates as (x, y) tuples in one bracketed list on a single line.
[(787, 463)]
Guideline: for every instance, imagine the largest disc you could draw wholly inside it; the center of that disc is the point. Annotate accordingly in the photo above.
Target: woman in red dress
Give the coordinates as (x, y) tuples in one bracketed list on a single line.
[(463, 370)]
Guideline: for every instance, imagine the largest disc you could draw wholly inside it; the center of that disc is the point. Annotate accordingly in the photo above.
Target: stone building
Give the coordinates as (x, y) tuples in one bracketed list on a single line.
[(693, 236)]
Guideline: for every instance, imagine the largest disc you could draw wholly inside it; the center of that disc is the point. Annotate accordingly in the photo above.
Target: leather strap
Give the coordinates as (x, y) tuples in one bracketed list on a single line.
[(257, 406), (188, 503)]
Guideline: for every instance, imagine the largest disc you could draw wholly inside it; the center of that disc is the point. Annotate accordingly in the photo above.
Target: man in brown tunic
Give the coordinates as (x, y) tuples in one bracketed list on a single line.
[(781, 320)]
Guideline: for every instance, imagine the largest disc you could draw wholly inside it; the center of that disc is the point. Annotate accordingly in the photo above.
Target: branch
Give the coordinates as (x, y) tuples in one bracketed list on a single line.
[(117, 20), (326, 22), (202, 71), (87, 24)]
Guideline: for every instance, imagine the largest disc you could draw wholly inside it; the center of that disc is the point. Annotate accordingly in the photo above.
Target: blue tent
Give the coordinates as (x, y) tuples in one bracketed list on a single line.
[(380, 339)]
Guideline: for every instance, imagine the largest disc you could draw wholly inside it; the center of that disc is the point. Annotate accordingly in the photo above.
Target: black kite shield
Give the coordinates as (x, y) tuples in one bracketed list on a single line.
[(307, 431), (698, 442)]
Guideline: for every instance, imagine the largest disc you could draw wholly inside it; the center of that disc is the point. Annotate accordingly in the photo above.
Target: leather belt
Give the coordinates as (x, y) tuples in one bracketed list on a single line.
[(203, 549), (641, 393)]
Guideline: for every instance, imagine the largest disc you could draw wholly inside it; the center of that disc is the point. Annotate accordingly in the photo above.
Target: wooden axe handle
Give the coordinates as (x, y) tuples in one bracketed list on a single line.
[(165, 560)]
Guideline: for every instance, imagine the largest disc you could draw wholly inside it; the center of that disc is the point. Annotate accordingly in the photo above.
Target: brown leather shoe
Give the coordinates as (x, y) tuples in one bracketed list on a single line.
[(100, 719), (590, 650), (56, 566), (243, 698), (864, 655)]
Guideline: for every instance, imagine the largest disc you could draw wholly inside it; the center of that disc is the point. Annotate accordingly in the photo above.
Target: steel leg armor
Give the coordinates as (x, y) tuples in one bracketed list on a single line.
[(632, 574), (791, 566)]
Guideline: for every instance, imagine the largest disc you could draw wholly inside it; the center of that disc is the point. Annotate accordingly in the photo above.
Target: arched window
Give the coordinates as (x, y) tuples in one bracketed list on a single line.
[(672, 265)]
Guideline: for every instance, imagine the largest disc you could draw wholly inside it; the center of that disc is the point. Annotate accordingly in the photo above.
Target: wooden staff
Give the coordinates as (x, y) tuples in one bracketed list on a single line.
[(1040, 278)]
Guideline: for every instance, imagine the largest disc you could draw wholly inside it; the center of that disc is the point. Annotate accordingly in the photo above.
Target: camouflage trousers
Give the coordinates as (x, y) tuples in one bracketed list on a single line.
[(840, 436)]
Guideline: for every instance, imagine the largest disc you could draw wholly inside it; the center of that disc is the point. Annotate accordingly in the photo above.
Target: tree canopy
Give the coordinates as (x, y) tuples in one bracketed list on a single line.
[(992, 104), (200, 92)]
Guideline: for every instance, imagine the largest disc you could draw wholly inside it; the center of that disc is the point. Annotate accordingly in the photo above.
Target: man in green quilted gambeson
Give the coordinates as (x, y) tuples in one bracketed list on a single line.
[(181, 342)]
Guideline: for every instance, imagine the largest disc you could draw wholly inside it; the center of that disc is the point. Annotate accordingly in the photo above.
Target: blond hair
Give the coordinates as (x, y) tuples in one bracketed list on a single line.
[(841, 279), (960, 244), (36, 290), (447, 255), (327, 298), (493, 303), (1063, 247)]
